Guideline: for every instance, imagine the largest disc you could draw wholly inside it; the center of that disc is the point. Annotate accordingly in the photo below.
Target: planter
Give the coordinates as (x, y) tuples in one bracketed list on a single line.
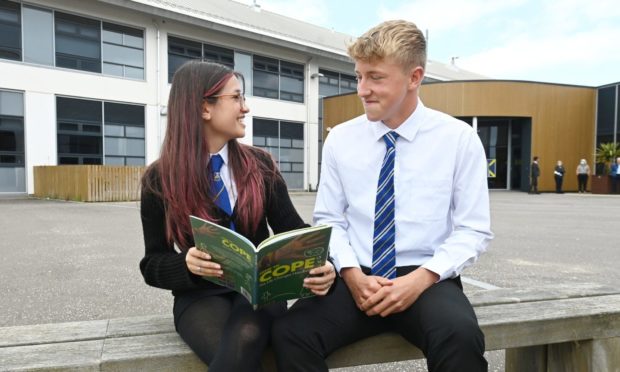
[(600, 184)]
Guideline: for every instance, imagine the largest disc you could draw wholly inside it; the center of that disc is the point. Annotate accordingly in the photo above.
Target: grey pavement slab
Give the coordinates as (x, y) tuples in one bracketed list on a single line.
[(66, 261)]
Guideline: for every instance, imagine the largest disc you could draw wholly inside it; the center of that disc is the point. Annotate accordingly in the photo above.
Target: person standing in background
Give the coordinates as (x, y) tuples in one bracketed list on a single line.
[(558, 174), (615, 176), (583, 172), (534, 174)]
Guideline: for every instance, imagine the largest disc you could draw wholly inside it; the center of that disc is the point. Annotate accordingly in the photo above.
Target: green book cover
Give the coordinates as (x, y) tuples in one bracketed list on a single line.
[(273, 271)]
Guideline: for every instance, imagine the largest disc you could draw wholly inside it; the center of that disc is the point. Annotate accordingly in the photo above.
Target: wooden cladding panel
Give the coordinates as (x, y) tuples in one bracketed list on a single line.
[(337, 110), (563, 118), (92, 183)]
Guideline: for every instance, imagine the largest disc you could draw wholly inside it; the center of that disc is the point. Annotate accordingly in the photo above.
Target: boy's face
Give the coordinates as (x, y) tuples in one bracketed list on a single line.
[(386, 90)]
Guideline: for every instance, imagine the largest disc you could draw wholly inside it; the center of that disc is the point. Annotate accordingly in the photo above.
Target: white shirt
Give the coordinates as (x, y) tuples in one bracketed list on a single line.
[(440, 186), (227, 177)]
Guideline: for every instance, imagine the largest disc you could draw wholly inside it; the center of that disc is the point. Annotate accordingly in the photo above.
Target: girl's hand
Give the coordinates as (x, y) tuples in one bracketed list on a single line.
[(321, 280), (199, 263)]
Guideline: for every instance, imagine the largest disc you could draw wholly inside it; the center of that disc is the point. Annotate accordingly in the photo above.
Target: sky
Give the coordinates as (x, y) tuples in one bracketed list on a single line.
[(573, 42)]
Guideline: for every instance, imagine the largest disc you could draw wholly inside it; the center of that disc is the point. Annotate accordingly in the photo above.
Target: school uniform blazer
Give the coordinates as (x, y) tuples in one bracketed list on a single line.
[(163, 267)]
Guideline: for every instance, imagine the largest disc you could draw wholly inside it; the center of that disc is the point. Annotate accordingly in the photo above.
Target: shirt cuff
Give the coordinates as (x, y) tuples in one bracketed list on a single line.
[(443, 269), (343, 261)]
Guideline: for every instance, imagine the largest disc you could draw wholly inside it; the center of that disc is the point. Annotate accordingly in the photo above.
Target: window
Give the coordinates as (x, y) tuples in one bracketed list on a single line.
[(79, 131), (181, 51), (80, 134), (78, 42), (348, 84), (266, 77), (10, 31), (328, 83), (12, 158), (38, 38), (285, 141), (11, 129), (123, 51), (124, 134), (219, 55), (333, 83), (243, 64), (278, 79)]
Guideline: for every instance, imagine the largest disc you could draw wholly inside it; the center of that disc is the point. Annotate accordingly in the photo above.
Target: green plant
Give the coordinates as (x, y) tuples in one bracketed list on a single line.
[(606, 153)]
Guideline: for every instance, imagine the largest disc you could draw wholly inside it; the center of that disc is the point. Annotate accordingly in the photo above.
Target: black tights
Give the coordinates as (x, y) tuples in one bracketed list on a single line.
[(226, 333)]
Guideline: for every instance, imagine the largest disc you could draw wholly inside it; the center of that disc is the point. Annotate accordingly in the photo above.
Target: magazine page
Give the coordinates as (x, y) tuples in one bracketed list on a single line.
[(285, 260), (232, 251)]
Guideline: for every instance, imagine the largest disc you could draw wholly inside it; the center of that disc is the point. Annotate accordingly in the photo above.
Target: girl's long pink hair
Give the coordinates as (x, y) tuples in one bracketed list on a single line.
[(182, 165)]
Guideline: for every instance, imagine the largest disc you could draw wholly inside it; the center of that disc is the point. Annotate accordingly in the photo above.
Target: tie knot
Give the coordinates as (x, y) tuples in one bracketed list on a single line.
[(390, 139), (216, 163)]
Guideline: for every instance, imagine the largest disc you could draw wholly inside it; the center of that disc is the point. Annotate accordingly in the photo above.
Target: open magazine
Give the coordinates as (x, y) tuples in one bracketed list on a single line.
[(273, 271)]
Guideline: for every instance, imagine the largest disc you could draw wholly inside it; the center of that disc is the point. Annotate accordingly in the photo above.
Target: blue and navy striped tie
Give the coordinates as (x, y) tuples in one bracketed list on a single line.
[(384, 238), (220, 194)]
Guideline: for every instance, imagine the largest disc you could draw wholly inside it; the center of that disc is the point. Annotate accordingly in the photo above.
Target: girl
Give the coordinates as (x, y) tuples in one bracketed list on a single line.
[(204, 171)]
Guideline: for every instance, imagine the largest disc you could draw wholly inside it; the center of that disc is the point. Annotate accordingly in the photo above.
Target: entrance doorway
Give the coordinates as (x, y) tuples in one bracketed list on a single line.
[(506, 143)]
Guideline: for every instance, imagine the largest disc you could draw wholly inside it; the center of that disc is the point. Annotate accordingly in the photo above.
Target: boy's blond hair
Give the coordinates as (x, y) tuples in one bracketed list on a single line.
[(399, 40)]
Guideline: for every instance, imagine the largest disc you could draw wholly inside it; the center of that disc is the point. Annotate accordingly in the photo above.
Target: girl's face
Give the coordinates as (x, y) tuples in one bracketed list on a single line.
[(223, 120)]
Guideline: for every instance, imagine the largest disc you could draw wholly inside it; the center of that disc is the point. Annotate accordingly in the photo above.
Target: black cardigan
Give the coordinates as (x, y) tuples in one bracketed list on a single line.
[(163, 267)]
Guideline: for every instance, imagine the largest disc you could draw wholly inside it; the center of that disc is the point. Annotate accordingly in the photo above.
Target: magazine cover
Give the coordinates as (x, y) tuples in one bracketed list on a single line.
[(273, 271)]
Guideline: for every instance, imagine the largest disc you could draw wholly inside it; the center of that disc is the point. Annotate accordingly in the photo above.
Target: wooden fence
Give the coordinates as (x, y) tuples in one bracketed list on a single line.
[(90, 183)]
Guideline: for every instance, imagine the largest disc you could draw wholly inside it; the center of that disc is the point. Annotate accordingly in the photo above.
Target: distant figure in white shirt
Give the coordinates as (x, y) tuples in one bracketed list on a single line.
[(405, 189)]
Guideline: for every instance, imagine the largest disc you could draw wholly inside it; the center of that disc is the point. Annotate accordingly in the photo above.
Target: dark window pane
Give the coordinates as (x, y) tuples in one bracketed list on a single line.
[(181, 51), (79, 130), (265, 128), (265, 84), (291, 130), (605, 115), (220, 55), (71, 109), (118, 113), (75, 144), (68, 127), (78, 42), (68, 160), (348, 83), (94, 161), (11, 135), (91, 128), (10, 30)]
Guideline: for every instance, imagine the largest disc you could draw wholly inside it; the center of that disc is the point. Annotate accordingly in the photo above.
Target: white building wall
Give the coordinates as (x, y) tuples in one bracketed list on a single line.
[(39, 132)]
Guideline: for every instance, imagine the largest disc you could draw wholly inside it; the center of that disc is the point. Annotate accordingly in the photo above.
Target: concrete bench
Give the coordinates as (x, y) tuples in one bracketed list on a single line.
[(571, 328)]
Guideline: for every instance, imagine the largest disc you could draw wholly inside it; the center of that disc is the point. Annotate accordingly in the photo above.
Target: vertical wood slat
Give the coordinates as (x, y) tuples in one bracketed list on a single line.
[(91, 183)]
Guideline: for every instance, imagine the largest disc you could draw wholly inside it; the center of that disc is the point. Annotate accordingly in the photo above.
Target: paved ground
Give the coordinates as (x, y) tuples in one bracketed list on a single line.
[(64, 261)]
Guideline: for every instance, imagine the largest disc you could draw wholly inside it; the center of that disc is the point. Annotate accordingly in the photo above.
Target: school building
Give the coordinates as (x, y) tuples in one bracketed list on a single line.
[(87, 82)]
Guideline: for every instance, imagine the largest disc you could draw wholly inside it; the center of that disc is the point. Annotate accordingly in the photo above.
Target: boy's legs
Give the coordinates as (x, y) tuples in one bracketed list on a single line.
[(441, 323), (314, 327)]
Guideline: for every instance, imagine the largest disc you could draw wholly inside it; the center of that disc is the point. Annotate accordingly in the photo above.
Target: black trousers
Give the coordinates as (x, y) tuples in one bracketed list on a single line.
[(533, 185), (615, 184), (582, 181), (224, 330), (441, 323), (558, 184)]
